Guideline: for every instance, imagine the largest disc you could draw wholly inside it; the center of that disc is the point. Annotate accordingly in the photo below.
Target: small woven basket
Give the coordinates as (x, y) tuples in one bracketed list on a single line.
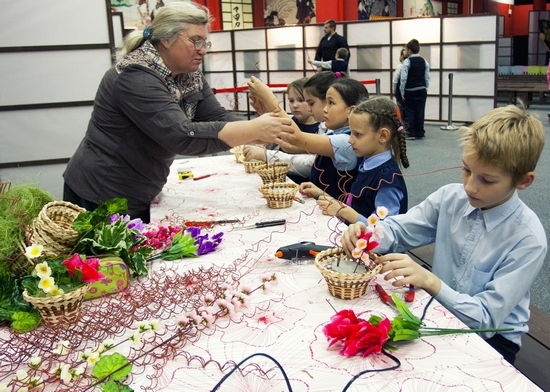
[(59, 310), (340, 284), (238, 152), (250, 166), (273, 172), (279, 194), (53, 227)]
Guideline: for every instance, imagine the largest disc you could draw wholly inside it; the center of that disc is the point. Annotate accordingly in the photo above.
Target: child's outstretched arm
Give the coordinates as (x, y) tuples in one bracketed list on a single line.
[(263, 97)]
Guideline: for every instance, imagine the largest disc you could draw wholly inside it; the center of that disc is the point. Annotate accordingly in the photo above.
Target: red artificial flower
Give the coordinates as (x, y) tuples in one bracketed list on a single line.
[(337, 329), (91, 274), (356, 335), (75, 261)]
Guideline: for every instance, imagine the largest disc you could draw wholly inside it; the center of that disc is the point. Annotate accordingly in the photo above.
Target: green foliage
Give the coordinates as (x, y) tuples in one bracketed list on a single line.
[(114, 366), (101, 238), (115, 386), (25, 321), (13, 307), (89, 220), (182, 245)]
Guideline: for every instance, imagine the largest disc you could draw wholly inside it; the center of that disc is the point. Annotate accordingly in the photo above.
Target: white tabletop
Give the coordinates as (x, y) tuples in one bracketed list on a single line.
[(284, 322)]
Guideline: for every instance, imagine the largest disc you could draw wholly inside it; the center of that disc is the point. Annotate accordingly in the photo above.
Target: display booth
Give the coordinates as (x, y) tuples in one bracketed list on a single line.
[(54, 57)]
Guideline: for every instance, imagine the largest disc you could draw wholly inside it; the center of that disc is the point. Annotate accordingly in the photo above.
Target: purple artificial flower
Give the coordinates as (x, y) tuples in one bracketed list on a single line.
[(137, 224)]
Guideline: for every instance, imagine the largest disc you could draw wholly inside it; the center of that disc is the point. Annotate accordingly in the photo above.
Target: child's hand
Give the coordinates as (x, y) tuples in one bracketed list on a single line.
[(329, 205), (406, 272), (309, 189), (260, 91), (351, 235), (254, 152), (309, 60)]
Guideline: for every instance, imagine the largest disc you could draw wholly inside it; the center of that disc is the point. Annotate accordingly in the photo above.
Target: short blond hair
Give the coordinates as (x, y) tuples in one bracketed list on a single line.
[(507, 137)]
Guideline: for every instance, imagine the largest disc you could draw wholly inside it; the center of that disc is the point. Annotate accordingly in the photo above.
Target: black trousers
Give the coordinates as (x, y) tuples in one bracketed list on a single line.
[(71, 196), (415, 106), (505, 347)]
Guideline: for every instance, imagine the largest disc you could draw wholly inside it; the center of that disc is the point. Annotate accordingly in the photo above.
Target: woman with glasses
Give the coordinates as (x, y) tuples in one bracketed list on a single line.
[(152, 105)]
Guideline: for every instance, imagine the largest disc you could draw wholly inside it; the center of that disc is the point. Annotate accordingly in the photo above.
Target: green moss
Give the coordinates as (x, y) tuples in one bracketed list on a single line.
[(19, 205)]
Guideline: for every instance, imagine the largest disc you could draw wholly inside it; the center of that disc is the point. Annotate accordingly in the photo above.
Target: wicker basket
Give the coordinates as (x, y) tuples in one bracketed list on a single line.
[(238, 152), (53, 228), (341, 284), (273, 172), (279, 194), (250, 166), (59, 310)]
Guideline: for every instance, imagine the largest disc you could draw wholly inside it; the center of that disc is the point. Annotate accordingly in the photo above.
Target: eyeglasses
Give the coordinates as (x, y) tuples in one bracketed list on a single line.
[(200, 43)]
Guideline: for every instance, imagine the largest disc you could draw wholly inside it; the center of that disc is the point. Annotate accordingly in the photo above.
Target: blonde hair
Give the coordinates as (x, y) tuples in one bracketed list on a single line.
[(168, 22), (506, 137)]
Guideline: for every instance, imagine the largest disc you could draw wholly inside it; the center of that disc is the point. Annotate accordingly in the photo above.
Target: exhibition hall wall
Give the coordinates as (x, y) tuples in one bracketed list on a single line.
[(54, 57)]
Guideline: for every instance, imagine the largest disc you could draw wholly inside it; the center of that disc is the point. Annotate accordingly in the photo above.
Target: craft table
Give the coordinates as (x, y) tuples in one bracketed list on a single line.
[(285, 321)]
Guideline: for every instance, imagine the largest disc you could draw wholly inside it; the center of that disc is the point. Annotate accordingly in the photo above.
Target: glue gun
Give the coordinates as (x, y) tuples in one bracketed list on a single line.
[(304, 249)]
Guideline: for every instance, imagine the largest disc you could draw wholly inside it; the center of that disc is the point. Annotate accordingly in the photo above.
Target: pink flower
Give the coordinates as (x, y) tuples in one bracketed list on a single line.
[(75, 261)]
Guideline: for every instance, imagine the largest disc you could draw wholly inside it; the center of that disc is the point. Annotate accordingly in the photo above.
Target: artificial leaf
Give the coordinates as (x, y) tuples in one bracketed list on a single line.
[(404, 310), (25, 321), (114, 366), (115, 386)]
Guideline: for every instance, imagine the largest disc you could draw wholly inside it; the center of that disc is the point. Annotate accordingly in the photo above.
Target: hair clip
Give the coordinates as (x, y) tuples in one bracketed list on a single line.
[(337, 74), (400, 129), (148, 33)]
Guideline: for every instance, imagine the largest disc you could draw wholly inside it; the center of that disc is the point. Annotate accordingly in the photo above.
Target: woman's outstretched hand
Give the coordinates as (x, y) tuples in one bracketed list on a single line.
[(270, 128)]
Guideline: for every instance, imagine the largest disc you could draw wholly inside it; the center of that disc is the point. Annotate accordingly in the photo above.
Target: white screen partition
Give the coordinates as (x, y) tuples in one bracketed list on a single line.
[(52, 57), (465, 46)]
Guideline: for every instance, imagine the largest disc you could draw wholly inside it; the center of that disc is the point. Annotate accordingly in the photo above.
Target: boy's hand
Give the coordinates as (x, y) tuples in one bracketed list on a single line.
[(406, 271), (351, 235), (309, 189), (309, 60), (254, 152)]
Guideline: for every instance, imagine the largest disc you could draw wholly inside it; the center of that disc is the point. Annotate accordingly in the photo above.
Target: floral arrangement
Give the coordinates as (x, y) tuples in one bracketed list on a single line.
[(102, 232), (56, 277), (359, 336), (370, 238)]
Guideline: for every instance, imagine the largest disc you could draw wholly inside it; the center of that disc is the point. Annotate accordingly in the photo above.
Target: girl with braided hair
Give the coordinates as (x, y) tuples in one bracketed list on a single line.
[(378, 139)]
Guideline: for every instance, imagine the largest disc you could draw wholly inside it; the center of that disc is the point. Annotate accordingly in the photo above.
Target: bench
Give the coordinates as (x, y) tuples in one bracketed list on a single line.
[(533, 359), (524, 85)]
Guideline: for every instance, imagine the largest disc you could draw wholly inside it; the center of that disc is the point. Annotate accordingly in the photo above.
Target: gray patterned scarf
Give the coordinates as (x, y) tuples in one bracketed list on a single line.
[(182, 86)]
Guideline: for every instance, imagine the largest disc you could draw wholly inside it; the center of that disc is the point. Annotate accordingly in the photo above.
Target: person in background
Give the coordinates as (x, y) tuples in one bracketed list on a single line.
[(339, 64), (151, 106), (415, 80), (397, 81), (489, 246), (301, 115), (378, 139), (330, 43), (158, 6)]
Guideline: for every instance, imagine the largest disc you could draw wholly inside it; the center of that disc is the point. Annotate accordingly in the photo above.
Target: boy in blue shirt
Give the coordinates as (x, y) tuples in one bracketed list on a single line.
[(489, 246)]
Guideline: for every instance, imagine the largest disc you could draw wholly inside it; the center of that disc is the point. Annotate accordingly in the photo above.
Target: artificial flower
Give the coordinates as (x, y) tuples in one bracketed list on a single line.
[(42, 270), (364, 337), (62, 348), (35, 362), (56, 291), (33, 251), (46, 284), (21, 375)]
